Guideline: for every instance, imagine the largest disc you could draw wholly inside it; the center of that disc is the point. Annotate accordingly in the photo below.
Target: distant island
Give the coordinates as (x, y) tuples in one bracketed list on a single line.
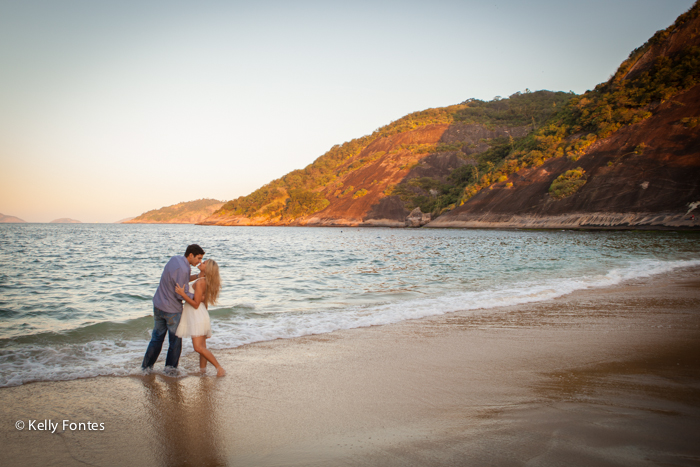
[(65, 220), (190, 212), (11, 220), (126, 219)]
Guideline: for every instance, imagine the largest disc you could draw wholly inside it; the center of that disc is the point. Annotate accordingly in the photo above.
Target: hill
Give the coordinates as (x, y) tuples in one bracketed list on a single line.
[(65, 220), (624, 155), (11, 220), (190, 212), (366, 181)]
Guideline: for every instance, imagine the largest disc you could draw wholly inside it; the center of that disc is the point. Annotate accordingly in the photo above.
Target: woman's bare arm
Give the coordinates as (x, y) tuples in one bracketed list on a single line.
[(199, 288)]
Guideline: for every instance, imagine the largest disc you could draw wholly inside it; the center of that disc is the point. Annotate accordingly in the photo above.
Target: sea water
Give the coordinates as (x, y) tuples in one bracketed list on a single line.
[(76, 298)]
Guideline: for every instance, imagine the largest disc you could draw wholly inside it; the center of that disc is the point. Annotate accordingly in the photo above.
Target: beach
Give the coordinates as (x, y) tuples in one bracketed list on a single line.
[(605, 376)]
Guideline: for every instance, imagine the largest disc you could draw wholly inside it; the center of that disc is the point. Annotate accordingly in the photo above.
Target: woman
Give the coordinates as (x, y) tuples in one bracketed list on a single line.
[(194, 322)]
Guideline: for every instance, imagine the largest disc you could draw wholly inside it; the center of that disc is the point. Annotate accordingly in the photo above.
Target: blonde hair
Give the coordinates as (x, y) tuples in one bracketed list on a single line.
[(211, 293)]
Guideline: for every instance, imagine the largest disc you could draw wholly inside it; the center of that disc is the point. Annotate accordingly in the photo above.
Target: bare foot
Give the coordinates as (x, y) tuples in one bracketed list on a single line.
[(221, 372), (202, 370)]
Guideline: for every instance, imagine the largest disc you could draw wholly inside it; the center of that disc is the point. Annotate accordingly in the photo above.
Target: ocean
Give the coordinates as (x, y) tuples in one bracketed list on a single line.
[(76, 298)]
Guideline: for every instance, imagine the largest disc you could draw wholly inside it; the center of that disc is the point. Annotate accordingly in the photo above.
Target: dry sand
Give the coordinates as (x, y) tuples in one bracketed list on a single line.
[(599, 377)]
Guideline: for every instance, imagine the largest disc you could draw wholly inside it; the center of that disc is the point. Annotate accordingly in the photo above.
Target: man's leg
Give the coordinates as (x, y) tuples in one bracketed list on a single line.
[(157, 337), (174, 343)]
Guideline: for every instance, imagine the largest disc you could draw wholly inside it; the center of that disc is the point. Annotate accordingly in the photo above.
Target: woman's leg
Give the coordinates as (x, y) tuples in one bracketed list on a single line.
[(200, 346), (202, 359)]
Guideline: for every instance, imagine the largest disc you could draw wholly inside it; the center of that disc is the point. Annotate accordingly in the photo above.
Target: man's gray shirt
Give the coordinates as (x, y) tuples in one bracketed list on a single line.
[(177, 271)]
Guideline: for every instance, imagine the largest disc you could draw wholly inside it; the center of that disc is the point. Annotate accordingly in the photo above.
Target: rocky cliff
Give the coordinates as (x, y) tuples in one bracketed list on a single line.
[(645, 175)]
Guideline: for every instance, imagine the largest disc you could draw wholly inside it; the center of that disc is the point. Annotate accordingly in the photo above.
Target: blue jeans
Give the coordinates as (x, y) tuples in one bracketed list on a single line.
[(163, 322)]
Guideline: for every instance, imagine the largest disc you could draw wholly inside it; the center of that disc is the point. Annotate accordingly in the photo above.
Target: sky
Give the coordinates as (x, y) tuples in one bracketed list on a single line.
[(111, 109)]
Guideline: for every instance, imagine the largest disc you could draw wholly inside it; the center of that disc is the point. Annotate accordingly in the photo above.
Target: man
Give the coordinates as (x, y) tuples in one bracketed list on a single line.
[(167, 308)]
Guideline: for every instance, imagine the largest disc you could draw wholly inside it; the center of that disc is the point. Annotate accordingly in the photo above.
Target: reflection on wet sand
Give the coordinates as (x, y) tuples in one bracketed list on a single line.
[(600, 377), (184, 421)]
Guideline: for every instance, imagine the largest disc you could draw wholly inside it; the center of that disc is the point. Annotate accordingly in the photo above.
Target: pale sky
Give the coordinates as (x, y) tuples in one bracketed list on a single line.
[(111, 109)]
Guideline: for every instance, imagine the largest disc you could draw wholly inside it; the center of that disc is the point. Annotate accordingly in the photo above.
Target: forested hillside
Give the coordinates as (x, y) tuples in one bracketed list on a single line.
[(182, 213), (628, 146), (624, 155), (476, 126)]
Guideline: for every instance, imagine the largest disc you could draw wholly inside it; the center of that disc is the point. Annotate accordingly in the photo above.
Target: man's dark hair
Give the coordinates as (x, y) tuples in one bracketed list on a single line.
[(194, 249)]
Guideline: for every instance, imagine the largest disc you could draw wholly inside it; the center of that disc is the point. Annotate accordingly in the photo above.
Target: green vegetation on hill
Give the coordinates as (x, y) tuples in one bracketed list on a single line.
[(564, 125), (568, 183), (297, 193), (519, 109), (577, 125), (186, 212)]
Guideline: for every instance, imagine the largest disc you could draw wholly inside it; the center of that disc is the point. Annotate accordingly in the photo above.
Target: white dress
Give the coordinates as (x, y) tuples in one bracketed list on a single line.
[(194, 322)]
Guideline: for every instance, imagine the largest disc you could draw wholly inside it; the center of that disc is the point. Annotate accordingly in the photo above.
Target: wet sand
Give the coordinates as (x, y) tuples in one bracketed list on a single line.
[(599, 377)]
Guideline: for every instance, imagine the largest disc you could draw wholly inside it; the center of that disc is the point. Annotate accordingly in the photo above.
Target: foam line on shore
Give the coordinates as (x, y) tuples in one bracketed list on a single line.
[(113, 355), (234, 333)]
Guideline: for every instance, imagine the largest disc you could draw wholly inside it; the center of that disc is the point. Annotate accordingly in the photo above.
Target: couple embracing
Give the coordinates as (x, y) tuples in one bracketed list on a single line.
[(191, 320)]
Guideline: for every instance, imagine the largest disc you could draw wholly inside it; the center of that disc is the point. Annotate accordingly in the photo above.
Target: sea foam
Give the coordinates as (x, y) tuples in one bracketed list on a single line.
[(53, 360)]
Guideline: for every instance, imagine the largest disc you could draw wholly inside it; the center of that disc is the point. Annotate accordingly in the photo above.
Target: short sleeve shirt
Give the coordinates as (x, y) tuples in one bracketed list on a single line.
[(176, 271)]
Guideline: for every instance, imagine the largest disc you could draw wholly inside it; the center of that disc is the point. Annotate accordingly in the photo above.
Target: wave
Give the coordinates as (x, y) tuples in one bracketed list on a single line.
[(117, 348), (231, 334), (87, 333), (109, 330), (7, 312)]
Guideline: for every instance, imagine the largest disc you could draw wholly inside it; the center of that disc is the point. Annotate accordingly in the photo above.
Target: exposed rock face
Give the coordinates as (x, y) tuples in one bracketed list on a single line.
[(594, 221), (417, 218), (378, 209), (624, 189), (685, 36)]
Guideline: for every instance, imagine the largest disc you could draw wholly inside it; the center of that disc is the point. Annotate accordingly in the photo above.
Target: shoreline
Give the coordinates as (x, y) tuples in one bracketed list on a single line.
[(457, 225), (124, 351), (662, 221), (603, 376), (480, 226)]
